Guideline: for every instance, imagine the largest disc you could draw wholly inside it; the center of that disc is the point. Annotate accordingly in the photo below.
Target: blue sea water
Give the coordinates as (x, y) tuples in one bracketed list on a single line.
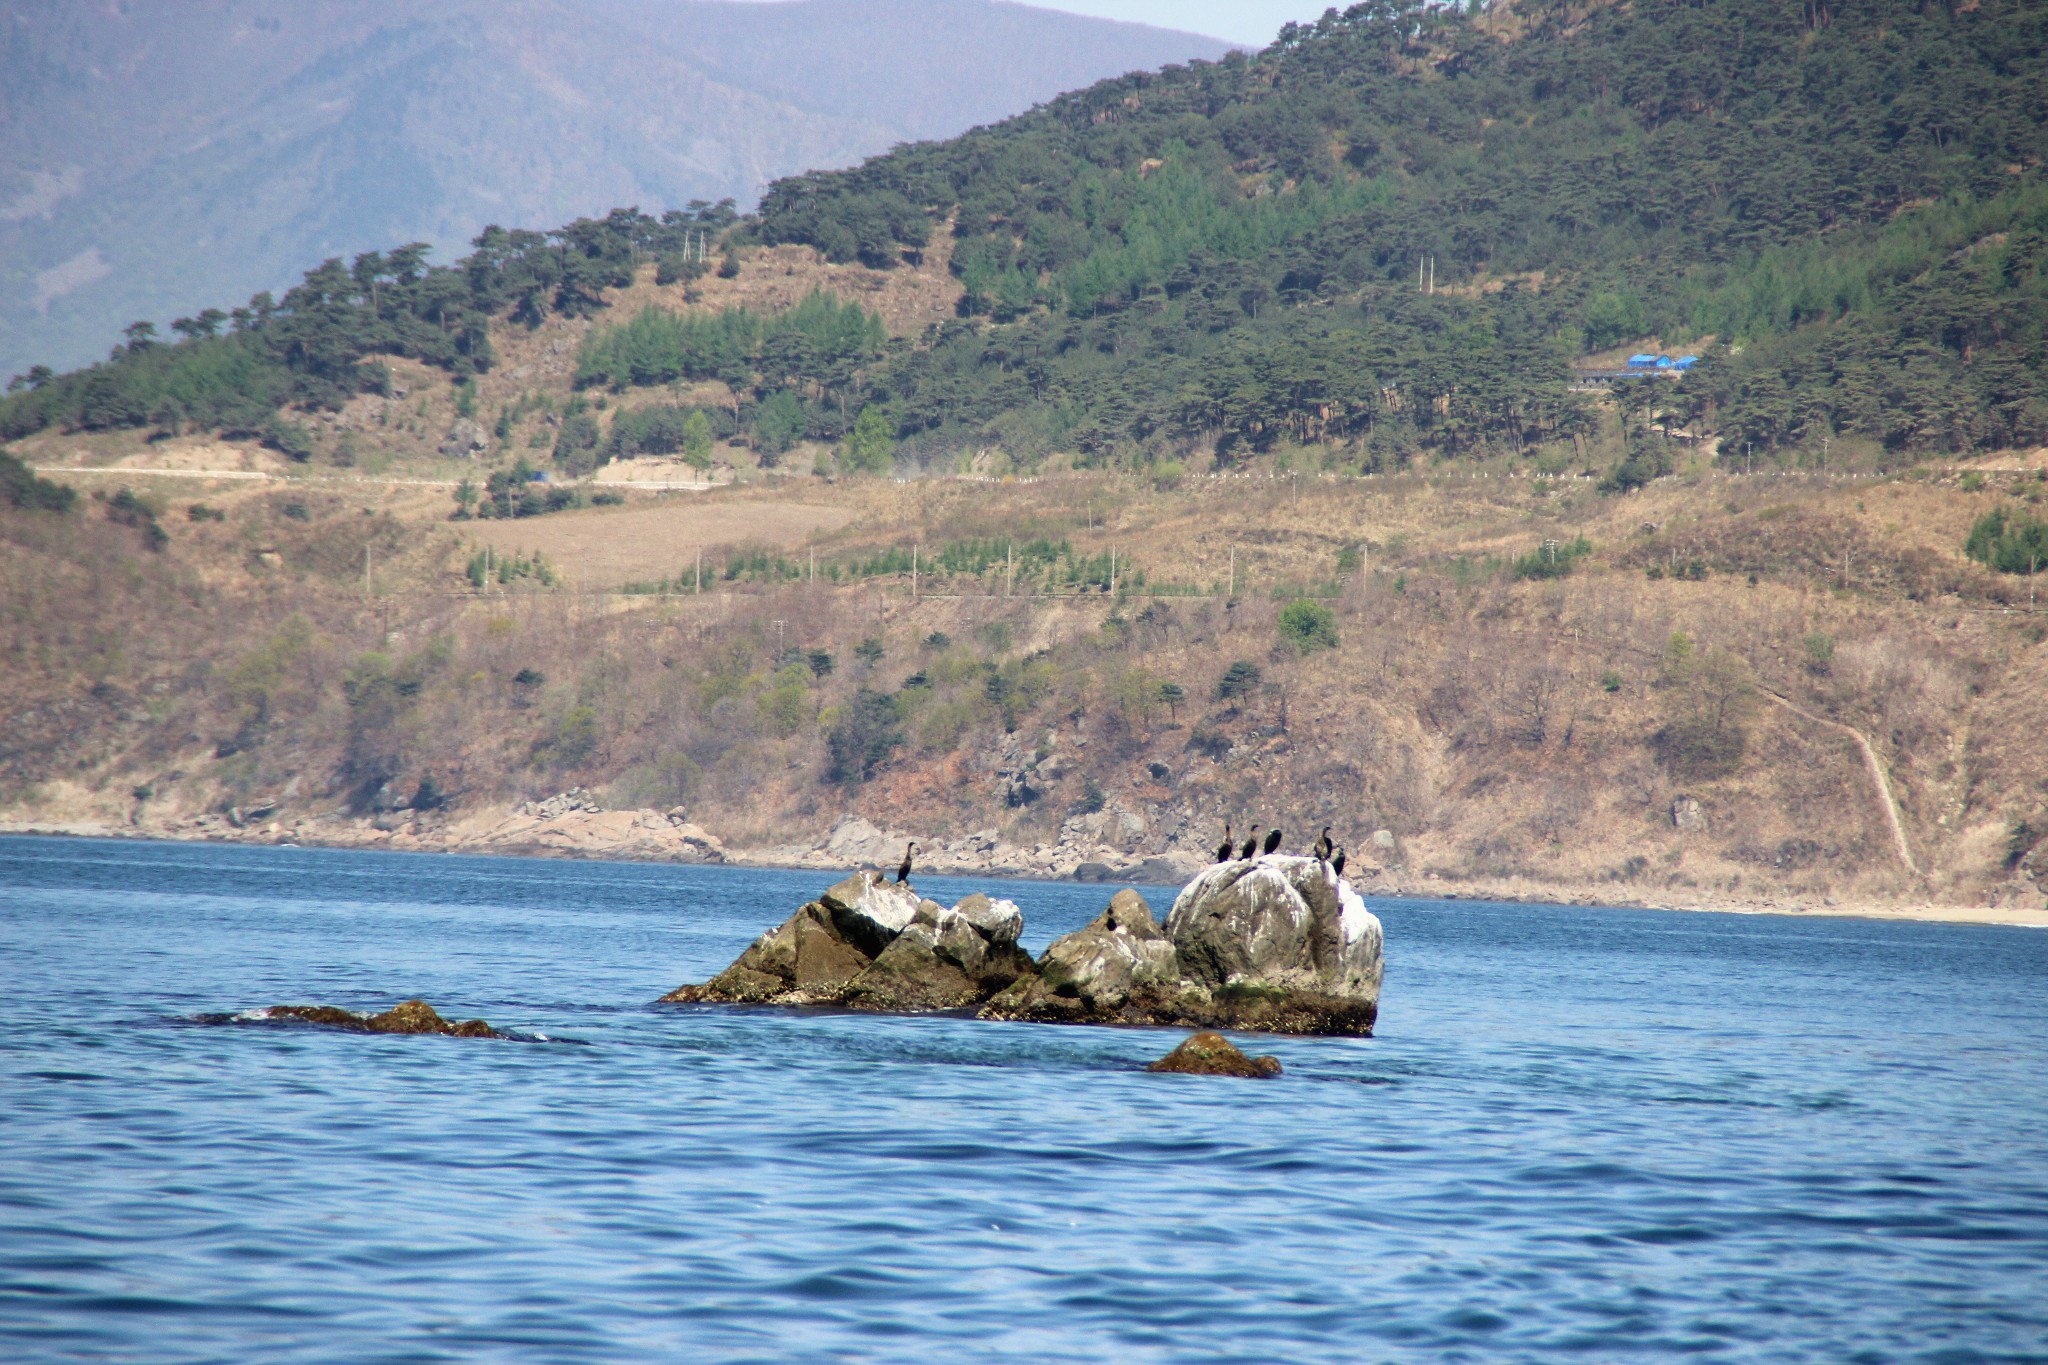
[(1581, 1135)]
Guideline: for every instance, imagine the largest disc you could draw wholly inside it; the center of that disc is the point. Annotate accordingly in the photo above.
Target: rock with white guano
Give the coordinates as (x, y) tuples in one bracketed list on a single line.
[(1277, 943), (1118, 969)]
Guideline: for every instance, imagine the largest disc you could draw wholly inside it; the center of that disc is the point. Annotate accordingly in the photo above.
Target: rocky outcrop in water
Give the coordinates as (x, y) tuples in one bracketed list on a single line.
[(1276, 944), (1279, 944), (1120, 969), (413, 1016), (1211, 1054), (873, 944)]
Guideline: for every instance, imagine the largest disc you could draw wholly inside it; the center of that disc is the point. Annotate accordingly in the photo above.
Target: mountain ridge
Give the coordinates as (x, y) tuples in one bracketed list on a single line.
[(199, 151)]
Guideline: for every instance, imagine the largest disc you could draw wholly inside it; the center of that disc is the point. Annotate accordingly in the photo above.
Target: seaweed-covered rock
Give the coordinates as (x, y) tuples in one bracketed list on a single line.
[(873, 944), (1211, 1054), (1120, 969), (412, 1016)]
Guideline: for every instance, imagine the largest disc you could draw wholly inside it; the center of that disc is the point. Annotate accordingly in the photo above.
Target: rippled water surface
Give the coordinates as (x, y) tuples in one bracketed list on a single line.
[(1581, 1135)]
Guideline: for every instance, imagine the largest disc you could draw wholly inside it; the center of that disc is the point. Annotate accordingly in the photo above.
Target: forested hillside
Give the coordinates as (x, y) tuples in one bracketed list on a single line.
[(1392, 232), (1399, 227)]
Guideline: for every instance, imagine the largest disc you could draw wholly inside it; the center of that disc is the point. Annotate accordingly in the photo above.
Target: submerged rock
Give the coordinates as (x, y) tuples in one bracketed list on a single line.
[(413, 1016), (1211, 1054), (873, 944)]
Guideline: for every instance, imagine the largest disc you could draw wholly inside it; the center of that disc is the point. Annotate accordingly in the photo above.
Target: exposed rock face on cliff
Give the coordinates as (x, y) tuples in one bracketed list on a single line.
[(871, 944)]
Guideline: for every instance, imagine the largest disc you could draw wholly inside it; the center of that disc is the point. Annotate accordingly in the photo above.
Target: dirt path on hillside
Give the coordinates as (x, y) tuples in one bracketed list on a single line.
[(1885, 800)]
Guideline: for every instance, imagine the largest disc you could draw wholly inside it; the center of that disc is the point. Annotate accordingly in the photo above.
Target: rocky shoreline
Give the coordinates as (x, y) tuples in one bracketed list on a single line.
[(563, 827)]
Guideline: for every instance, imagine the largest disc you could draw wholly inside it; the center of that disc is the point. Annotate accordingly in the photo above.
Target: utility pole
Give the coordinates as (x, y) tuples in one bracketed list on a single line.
[(814, 564), (1112, 571), (1010, 571), (779, 625)]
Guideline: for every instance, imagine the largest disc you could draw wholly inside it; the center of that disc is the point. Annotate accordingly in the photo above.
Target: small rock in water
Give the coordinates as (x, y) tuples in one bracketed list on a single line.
[(1211, 1054), (413, 1016)]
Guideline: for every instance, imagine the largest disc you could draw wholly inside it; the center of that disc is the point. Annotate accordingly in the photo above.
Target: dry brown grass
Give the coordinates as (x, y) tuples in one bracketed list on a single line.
[(1501, 729), (607, 547)]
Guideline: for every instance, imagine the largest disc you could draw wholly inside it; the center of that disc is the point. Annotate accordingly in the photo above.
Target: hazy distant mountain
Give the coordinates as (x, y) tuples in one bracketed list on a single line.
[(160, 156)]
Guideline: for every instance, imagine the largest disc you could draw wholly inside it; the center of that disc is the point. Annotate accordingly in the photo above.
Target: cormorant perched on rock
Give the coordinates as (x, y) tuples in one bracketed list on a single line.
[(1323, 845), (1251, 845), (1337, 862), (1273, 839), (1223, 853), (903, 868)]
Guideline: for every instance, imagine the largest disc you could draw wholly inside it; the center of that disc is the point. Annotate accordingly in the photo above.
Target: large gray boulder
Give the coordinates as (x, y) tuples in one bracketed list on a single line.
[(869, 943), (1120, 969), (1277, 943)]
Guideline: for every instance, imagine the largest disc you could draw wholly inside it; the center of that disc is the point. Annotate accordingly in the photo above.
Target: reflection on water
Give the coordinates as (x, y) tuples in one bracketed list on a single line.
[(1589, 1134)]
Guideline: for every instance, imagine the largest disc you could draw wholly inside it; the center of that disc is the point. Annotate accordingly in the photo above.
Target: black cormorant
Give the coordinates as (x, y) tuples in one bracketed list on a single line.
[(1323, 844), (903, 868), (1337, 862), (1273, 839), (1251, 845), (1223, 853)]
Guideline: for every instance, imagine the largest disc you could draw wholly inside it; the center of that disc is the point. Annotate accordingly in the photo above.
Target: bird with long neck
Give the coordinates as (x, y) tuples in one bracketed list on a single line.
[(903, 868), (1251, 845), (1337, 862), (1323, 845), (1224, 850)]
